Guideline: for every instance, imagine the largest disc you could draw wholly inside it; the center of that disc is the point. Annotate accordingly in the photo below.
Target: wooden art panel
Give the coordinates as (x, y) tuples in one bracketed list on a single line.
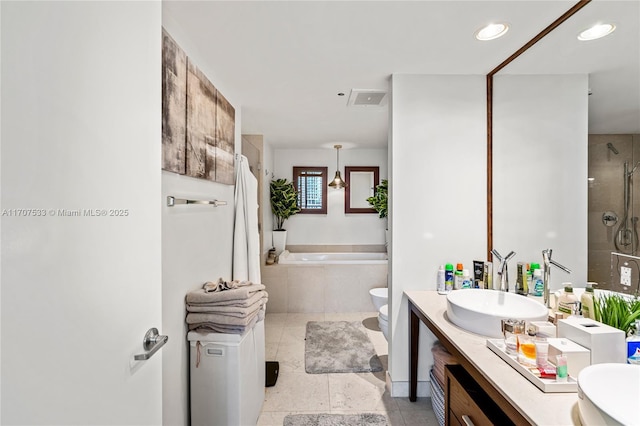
[(225, 137), (198, 123), (174, 105), (201, 125)]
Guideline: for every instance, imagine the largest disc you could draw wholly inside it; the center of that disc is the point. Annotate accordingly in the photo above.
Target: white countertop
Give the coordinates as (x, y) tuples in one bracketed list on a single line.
[(540, 408)]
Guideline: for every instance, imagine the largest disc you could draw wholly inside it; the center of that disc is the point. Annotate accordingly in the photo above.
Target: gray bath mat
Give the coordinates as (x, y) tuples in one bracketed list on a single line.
[(339, 347), (366, 419)]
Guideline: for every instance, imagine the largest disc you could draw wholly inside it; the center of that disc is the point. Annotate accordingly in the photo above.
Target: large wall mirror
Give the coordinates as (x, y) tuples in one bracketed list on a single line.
[(361, 184), (612, 190)]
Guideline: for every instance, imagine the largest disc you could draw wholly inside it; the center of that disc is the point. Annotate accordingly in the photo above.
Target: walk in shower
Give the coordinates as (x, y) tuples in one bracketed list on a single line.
[(614, 202)]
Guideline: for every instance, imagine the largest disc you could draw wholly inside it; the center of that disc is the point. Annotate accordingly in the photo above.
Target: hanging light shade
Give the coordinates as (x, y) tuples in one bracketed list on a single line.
[(337, 181)]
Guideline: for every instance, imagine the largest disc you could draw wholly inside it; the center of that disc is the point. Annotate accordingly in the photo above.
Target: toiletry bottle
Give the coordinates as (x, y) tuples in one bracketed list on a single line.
[(567, 301), (521, 280), (487, 275), (448, 277), (532, 281), (478, 274), (440, 281), (633, 346), (587, 302), (457, 279), (466, 279), (529, 279), (561, 368), (538, 282)]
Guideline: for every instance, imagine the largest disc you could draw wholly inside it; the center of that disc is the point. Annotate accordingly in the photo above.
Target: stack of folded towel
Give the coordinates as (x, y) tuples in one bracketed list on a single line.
[(226, 307)]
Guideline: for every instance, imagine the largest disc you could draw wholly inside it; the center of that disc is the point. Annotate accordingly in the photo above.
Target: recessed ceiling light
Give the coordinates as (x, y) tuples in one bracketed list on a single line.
[(597, 31), (492, 31)]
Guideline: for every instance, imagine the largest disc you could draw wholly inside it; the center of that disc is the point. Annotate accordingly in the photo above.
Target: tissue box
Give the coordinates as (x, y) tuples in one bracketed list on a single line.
[(607, 344), (543, 329), (578, 357)]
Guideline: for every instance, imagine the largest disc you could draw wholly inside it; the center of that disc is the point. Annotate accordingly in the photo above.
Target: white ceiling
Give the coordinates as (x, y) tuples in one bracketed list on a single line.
[(288, 60)]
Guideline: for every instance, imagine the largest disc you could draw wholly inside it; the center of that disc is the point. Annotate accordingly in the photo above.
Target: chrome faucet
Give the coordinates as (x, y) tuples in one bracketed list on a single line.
[(546, 258), (503, 271)]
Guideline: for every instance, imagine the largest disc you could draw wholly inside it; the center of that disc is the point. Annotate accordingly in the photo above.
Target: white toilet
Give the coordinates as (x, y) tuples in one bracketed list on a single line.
[(383, 321), (380, 297)]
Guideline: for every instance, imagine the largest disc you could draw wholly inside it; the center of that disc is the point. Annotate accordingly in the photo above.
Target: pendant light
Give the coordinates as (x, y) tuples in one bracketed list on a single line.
[(337, 181)]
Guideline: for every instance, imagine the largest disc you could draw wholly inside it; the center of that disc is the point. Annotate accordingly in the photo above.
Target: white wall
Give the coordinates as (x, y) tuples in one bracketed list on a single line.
[(196, 245), (540, 171), (335, 227), (437, 193), (80, 130)]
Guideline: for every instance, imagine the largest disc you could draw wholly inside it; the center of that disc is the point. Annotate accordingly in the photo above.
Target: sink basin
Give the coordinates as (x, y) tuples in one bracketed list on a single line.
[(608, 394), (481, 311)]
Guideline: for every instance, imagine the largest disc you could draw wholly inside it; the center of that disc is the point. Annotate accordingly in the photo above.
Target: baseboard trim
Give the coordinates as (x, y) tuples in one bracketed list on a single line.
[(400, 389)]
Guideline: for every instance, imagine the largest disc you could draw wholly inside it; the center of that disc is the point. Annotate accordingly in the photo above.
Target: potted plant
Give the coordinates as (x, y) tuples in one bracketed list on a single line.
[(284, 204), (617, 311), (379, 199), (379, 204)]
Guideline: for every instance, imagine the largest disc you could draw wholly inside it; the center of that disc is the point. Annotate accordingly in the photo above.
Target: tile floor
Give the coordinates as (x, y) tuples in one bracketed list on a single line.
[(345, 393)]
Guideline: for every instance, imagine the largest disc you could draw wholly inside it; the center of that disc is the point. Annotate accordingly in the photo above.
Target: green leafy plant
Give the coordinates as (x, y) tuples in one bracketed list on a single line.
[(379, 199), (617, 311), (284, 201)]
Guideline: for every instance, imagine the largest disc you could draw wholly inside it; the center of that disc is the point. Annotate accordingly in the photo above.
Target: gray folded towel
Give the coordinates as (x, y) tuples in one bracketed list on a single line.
[(224, 319), (222, 285), (260, 297), (208, 327), (201, 296)]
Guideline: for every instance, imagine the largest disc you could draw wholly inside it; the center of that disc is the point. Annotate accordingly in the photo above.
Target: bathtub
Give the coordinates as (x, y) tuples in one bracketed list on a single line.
[(324, 282), (352, 258)]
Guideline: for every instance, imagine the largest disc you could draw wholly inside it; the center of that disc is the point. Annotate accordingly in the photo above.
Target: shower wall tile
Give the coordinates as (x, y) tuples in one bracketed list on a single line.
[(606, 193)]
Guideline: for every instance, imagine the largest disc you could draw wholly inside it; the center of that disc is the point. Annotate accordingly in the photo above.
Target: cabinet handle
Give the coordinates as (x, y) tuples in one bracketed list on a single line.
[(467, 420)]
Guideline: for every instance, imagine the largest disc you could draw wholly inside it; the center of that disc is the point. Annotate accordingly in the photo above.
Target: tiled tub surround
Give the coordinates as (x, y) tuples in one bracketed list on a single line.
[(322, 288)]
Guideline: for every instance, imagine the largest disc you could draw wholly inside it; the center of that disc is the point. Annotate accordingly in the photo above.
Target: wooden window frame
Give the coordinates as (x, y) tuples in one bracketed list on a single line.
[(297, 172)]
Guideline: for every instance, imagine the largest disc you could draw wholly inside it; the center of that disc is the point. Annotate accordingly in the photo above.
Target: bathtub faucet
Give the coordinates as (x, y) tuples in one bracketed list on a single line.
[(503, 271)]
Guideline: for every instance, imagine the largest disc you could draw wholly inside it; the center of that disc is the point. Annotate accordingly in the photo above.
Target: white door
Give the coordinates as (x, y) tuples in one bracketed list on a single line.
[(81, 206)]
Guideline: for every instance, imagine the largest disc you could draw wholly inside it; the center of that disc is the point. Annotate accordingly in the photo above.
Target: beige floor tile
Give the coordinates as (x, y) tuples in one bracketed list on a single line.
[(293, 335), (270, 351), (271, 418), (361, 392), (272, 333), (298, 392), (291, 357), (301, 319), (276, 318), (343, 316)]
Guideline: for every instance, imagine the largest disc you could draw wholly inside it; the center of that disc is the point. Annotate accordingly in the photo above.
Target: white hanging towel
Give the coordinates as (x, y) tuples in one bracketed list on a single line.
[(246, 237)]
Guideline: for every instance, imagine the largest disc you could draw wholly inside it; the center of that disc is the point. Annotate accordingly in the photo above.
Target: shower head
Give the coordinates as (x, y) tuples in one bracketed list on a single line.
[(612, 148)]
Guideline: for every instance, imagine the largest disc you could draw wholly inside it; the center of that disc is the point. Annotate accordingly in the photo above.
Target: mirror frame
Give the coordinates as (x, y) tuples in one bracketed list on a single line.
[(347, 193)]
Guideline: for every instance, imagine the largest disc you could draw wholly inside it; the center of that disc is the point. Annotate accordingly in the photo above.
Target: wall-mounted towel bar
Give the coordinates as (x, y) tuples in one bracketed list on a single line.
[(172, 201), (152, 342)]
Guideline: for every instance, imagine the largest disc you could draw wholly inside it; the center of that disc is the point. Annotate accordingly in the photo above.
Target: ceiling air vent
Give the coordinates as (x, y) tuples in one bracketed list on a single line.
[(367, 97)]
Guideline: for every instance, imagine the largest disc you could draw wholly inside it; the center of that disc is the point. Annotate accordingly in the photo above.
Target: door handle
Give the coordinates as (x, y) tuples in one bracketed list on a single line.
[(151, 343)]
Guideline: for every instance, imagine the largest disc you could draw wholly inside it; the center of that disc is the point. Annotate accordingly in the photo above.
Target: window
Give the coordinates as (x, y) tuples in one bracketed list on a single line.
[(310, 182)]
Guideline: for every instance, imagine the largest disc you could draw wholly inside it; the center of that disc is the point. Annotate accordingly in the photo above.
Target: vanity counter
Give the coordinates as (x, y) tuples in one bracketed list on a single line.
[(520, 399)]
